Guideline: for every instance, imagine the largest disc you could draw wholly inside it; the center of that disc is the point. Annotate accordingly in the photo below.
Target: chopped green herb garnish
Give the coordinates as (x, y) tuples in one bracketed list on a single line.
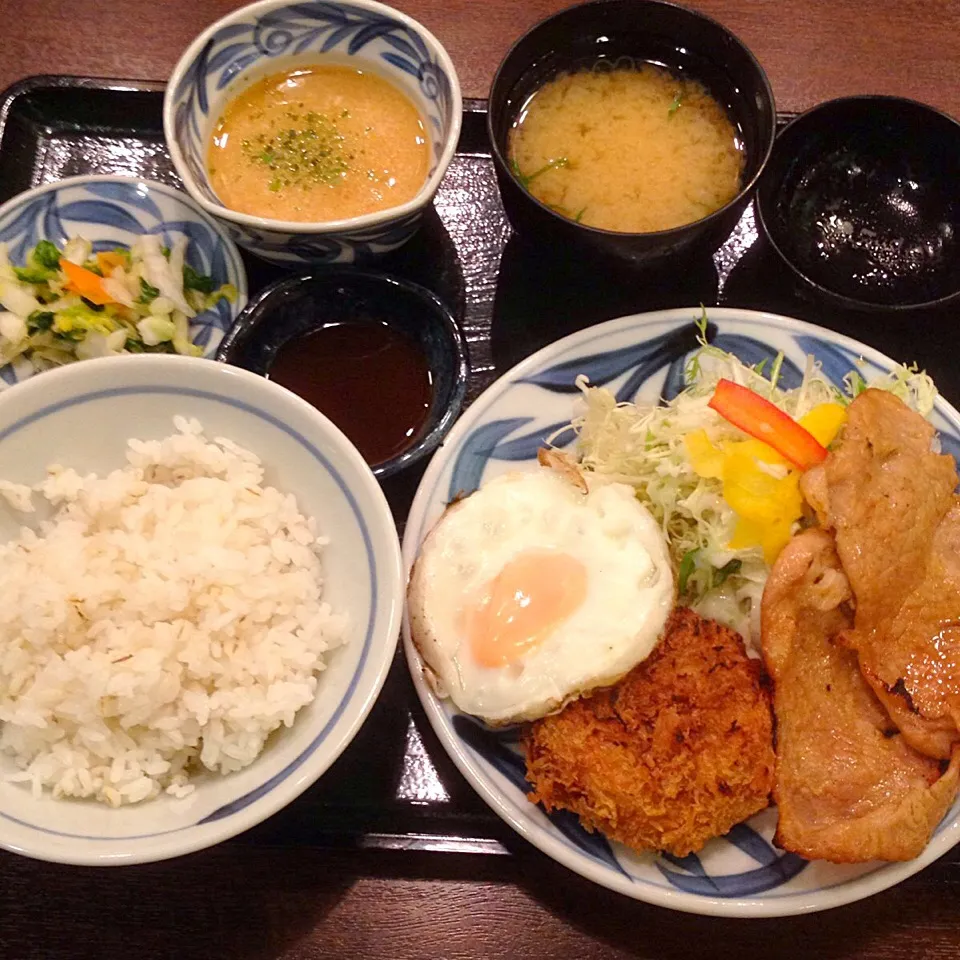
[(71, 336), (692, 370), (527, 178), (701, 324), (40, 320), (46, 254), (197, 281), (855, 383), (309, 152), (675, 106), (33, 274), (687, 566), (727, 570), (775, 369), (148, 292)]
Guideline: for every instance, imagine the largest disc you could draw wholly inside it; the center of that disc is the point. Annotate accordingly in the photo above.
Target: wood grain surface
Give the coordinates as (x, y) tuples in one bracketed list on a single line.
[(256, 898), (811, 49), (251, 902)]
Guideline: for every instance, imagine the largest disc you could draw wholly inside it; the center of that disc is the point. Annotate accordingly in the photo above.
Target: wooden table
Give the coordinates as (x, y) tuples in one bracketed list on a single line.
[(811, 49), (256, 898)]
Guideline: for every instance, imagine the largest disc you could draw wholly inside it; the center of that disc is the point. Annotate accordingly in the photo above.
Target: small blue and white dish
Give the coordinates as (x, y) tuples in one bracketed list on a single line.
[(297, 306), (742, 874), (280, 35), (112, 211)]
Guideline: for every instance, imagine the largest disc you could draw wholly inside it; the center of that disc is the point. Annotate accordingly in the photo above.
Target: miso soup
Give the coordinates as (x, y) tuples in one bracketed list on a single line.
[(632, 149)]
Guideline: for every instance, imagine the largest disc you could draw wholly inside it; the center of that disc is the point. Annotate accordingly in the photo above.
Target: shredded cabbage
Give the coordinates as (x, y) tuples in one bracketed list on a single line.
[(642, 444)]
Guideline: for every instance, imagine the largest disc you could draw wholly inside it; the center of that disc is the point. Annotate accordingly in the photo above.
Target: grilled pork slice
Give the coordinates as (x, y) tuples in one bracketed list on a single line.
[(849, 788), (891, 503)]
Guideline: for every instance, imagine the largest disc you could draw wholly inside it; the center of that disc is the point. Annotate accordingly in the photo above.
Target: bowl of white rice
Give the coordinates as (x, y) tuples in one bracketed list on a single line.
[(201, 593)]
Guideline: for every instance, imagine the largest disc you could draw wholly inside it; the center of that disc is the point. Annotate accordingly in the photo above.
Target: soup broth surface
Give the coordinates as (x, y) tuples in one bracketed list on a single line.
[(631, 149), (318, 144)]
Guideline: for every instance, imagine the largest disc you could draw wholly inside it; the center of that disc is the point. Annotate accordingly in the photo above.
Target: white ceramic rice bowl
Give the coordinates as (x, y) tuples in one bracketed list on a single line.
[(82, 416)]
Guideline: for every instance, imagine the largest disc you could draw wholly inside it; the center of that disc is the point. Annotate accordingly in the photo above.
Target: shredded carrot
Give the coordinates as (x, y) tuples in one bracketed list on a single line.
[(85, 282)]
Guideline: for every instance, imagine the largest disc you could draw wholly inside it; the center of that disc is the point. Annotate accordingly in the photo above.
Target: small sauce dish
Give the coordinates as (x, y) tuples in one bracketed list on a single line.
[(861, 199), (383, 358)]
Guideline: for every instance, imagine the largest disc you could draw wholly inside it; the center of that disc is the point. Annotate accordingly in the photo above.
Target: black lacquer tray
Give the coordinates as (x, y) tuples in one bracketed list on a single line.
[(394, 787)]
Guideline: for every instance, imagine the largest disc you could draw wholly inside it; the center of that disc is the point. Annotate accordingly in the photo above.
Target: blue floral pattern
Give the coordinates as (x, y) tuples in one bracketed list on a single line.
[(292, 248), (113, 211), (303, 30), (688, 873), (500, 747), (646, 356)]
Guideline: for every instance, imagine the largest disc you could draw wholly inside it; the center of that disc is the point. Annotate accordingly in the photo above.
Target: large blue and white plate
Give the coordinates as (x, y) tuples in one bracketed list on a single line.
[(742, 874), (112, 211)]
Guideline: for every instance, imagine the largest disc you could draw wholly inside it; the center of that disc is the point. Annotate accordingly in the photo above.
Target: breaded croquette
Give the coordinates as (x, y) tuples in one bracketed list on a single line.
[(676, 753)]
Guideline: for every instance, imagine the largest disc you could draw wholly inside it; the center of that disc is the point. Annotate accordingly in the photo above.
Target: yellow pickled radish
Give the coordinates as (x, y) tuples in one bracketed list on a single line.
[(758, 450), (758, 484), (755, 494), (770, 537), (705, 457), (824, 422)]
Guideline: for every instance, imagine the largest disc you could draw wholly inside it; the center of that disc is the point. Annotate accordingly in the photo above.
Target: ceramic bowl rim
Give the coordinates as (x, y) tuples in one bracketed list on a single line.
[(257, 309), (323, 227), (80, 180), (742, 194), (799, 121), (388, 599)]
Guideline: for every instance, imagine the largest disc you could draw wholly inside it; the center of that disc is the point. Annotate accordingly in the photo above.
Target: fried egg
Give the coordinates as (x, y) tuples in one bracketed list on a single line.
[(531, 592)]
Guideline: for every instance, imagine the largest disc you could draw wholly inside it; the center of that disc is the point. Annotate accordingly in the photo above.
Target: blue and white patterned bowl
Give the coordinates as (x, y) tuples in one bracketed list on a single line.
[(742, 874), (278, 35), (114, 211), (48, 419)]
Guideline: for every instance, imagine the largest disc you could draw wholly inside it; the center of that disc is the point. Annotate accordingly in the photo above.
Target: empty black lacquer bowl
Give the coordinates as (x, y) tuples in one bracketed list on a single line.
[(861, 198), (688, 44)]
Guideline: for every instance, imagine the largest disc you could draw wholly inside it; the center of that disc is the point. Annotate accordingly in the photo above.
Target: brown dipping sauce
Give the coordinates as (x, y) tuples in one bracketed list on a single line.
[(369, 379)]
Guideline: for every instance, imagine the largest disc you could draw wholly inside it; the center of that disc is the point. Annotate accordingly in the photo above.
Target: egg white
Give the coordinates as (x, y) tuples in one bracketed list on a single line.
[(630, 592)]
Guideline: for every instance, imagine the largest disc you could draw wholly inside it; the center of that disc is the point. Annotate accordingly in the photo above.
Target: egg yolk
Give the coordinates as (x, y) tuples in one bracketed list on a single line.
[(522, 605)]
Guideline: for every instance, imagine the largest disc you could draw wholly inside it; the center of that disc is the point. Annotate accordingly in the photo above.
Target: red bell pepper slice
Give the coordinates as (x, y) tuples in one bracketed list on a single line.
[(766, 422)]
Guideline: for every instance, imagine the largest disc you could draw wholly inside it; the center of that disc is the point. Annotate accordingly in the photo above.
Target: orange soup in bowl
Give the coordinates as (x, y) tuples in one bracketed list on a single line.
[(318, 144)]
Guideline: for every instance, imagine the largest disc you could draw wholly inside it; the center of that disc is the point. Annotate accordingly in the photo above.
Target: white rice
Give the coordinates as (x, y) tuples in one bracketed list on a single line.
[(167, 619)]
